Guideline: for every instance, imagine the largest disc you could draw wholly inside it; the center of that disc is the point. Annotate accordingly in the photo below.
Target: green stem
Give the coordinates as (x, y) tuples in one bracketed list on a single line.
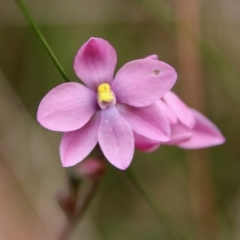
[(173, 231), (81, 206), (42, 39)]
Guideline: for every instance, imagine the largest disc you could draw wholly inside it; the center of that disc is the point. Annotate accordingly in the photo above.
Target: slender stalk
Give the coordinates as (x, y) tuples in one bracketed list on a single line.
[(40, 36), (81, 207), (84, 203), (173, 231)]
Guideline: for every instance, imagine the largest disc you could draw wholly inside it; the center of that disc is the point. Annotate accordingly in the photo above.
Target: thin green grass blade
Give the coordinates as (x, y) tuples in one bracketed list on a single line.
[(40, 36), (172, 229)]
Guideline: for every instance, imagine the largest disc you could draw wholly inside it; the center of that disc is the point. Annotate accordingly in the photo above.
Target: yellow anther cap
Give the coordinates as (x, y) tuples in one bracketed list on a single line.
[(106, 96), (105, 93)]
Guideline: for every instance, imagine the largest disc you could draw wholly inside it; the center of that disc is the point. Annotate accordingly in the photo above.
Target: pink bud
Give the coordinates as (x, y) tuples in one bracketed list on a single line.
[(91, 168)]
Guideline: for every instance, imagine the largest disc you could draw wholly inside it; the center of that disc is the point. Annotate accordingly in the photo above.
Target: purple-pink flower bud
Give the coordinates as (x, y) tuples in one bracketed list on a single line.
[(91, 168)]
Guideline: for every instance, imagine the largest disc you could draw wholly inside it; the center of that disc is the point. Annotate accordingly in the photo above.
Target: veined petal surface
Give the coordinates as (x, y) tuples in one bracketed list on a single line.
[(115, 138), (95, 62), (205, 133), (147, 121), (141, 82), (76, 145), (67, 107)]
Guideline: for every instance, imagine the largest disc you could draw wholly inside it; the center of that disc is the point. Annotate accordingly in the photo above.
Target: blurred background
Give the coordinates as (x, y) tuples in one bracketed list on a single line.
[(199, 190)]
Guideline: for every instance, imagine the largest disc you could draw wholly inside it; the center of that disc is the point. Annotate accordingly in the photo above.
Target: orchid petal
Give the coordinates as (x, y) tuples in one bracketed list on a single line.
[(95, 62), (181, 110), (77, 145), (141, 82), (145, 144), (147, 121), (205, 133), (167, 111), (179, 134), (153, 56), (115, 138), (67, 107)]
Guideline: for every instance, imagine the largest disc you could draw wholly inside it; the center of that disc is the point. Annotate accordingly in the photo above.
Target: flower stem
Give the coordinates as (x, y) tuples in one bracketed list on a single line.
[(173, 231), (81, 207), (42, 39)]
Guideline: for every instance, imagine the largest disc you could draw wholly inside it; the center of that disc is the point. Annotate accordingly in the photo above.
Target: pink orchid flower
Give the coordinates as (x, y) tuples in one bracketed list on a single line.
[(189, 128), (108, 110)]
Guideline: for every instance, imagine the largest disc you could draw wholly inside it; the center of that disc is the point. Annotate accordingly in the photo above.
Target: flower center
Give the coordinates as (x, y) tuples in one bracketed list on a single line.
[(105, 93), (105, 96)]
